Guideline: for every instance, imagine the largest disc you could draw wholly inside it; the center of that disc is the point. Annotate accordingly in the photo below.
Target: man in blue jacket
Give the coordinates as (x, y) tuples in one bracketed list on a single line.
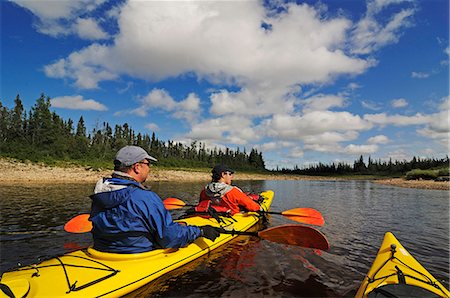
[(129, 218)]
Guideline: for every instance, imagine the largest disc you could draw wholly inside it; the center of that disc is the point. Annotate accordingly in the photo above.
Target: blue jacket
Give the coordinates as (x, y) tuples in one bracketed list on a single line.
[(128, 218)]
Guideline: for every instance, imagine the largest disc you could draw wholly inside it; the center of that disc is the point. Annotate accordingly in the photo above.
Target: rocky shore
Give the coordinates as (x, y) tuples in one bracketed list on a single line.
[(15, 172)]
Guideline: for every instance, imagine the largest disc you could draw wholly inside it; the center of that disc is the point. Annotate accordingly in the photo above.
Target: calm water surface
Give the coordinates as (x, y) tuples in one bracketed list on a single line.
[(357, 214)]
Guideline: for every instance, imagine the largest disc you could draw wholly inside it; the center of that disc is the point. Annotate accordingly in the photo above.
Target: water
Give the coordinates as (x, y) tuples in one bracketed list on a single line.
[(357, 214)]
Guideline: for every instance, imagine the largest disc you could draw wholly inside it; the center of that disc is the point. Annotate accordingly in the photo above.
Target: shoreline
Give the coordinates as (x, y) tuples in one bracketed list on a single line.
[(13, 172)]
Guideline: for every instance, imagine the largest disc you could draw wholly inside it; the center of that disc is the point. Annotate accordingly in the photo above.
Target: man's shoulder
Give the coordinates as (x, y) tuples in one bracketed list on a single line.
[(145, 194)]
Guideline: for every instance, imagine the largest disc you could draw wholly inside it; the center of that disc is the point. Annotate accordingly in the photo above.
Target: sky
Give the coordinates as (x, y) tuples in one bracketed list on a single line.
[(303, 82)]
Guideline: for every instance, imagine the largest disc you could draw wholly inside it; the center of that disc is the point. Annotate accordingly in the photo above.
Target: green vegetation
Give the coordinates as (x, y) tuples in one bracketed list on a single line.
[(421, 174), (427, 167), (43, 136), (417, 174)]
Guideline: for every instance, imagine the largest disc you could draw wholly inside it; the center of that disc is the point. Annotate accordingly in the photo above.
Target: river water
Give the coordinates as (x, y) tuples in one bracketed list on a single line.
[(357, 215)]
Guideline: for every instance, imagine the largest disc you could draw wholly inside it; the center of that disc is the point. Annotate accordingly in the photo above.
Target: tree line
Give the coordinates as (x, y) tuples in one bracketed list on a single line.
[(42, 135), (372, 167)]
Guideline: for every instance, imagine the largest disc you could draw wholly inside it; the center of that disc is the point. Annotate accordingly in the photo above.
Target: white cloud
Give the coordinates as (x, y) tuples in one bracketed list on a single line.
[(397, 120), (360, 149), (158, 98), (147, 46), (330, 138), (273, 146), (77, 102), (322, 102), (379, 139), (438, 128), (248, 102), (187, 109), (60, 18), (312, 124), (353, 86), (296, 153), (445, 104), (51, 10), (261, 73), (82, 67), (227, 129), (399, 154), (152, 126), (419, 75), (370, 34), (89, 29), (371, 105), (399, 103)]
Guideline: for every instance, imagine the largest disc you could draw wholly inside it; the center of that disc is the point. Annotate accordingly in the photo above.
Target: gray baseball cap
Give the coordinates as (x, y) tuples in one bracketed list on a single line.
[(129, 155)]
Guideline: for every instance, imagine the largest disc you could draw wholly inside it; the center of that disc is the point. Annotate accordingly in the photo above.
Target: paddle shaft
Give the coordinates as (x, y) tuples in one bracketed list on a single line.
[(233, 232)]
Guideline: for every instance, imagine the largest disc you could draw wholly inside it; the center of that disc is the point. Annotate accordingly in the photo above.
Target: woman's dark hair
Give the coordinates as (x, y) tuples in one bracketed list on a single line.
[(216, 177)]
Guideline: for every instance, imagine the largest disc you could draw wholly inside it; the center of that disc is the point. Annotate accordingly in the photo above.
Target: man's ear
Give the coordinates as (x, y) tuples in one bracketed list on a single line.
[(135, 168)]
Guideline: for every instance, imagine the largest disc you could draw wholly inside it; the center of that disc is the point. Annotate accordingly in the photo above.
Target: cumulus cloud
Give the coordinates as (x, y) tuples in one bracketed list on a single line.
[(312, 124), (245, 54), (82, 67), (296, 153), (187, 109), (438, 128), (77, 102), (322, 102), (258, 73), (399, 103), (383, 119), (360, 149), (60, 18), (89, 29), (379, 139), (227, 129)]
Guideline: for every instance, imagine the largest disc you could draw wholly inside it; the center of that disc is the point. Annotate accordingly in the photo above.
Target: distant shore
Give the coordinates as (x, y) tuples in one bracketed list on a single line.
[(13, 172)]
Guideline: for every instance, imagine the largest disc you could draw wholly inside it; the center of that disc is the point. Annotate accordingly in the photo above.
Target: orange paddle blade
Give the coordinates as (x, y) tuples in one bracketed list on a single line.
[(173, 203), (305, 215), (79, 224), (303, 236)]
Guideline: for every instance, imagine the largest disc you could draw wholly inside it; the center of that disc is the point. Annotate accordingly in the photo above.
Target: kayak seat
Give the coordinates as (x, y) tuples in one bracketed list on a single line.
[(401, 291)]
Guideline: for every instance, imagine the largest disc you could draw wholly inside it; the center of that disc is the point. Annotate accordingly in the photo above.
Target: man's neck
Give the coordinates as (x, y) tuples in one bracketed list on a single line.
[(123, 175)]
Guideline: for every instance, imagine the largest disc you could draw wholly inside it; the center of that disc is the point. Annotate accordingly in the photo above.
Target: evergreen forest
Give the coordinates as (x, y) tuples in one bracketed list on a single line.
[(41, 135), (374, 167)]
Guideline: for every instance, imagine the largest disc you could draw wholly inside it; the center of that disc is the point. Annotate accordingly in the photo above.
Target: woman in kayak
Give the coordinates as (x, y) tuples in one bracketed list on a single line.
[(221, 193), (129, 218)]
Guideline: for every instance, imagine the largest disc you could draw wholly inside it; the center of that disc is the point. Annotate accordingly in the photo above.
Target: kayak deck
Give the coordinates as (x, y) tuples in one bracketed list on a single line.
[(396, 273), (90, 273)]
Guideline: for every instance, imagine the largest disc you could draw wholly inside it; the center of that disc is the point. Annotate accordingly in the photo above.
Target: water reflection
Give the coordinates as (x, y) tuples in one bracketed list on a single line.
[(357, 214)]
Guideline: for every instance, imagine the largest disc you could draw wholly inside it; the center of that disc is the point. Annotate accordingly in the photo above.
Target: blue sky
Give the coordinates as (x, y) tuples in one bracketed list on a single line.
[(303, 82)]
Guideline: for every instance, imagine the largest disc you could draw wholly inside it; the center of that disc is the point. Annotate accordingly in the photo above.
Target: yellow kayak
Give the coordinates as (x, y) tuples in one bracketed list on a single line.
[(395, 273), (90, 273)]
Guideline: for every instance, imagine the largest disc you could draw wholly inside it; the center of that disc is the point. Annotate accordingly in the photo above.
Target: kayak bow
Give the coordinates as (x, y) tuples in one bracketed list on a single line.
[(396, 273)]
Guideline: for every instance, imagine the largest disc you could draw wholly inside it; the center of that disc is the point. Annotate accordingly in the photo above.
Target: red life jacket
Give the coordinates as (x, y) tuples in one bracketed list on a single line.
[(254, 196), (204, 205)]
